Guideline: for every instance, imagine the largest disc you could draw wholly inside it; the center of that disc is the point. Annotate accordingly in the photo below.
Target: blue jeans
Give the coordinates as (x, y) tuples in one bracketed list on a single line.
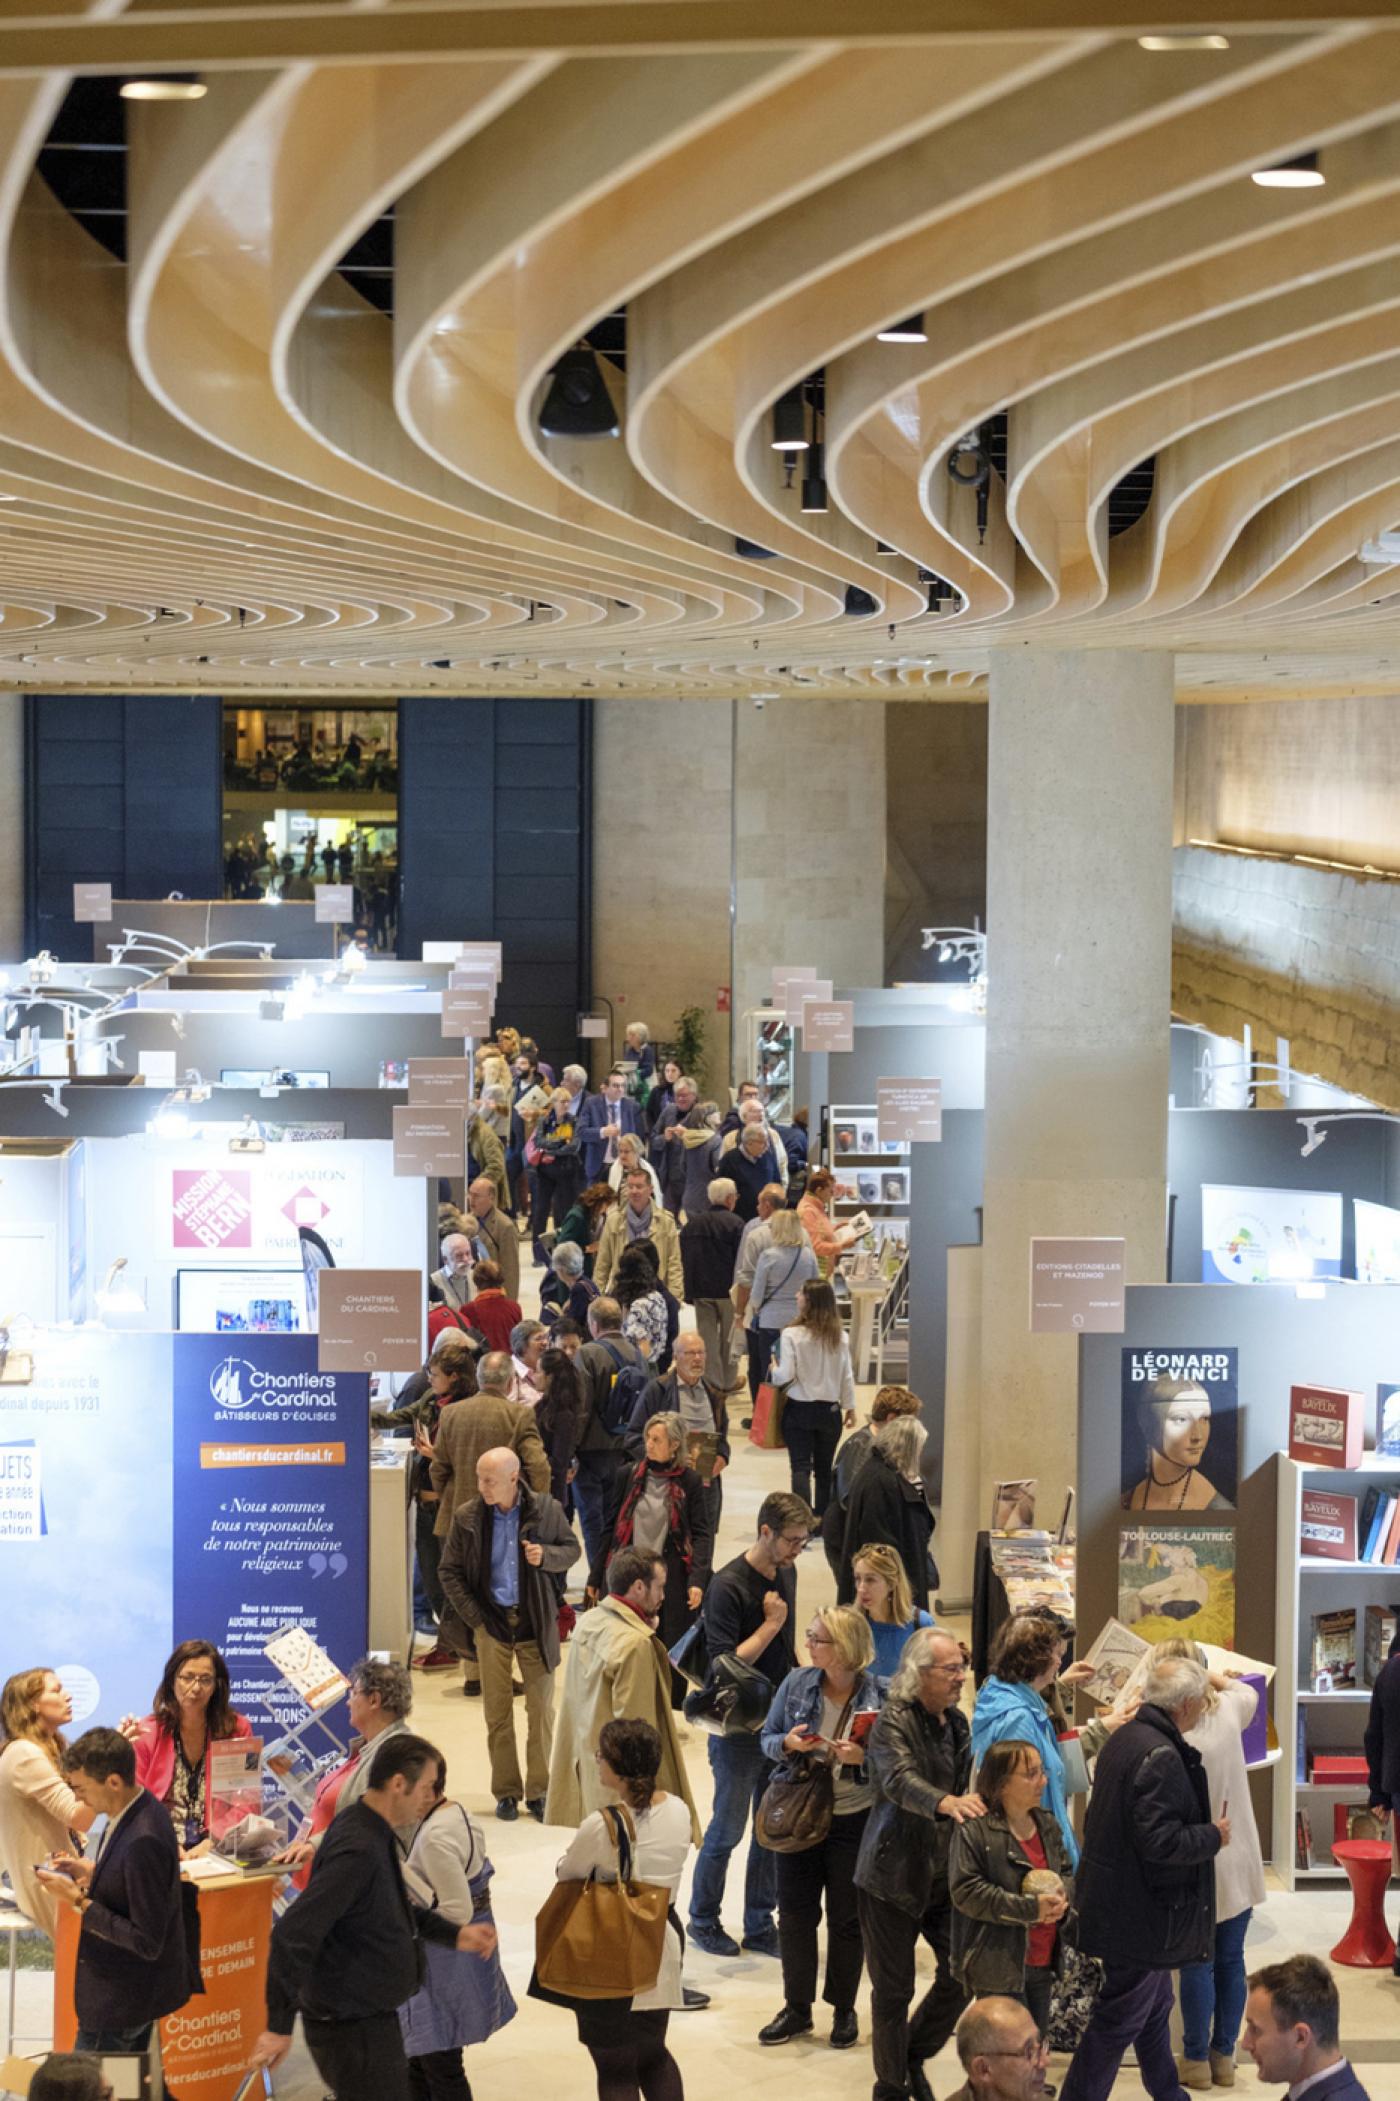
[(1213, 1993), (741, 1772)]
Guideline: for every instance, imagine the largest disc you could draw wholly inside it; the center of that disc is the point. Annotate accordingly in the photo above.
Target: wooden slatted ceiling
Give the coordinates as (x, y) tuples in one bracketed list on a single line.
[(271, 362)]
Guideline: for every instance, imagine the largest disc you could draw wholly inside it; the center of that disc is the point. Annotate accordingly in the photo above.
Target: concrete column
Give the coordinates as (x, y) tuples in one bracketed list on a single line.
[(662, 837), (11, 826), (809, 842), (1079, 917)]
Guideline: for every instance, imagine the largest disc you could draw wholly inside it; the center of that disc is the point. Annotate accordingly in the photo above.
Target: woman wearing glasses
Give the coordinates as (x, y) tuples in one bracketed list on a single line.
[(1011, 1880), (193, 1708)]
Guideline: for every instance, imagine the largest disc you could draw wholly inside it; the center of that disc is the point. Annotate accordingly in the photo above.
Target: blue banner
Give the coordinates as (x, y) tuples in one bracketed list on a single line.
[(271, 1507), (85, 1530)]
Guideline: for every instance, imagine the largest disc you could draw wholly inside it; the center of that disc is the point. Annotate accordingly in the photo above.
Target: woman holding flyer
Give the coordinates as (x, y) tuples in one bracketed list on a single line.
[(820, 1716)]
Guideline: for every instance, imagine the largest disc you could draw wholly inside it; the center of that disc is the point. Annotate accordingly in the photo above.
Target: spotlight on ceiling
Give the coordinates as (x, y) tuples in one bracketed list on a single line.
[(164, 87), (859, 604), (578, 404), (883, 547), (790, 422), (752, 552), (910, 331), (970, 466), (1185, 40), (1300, 173), (814, 480)]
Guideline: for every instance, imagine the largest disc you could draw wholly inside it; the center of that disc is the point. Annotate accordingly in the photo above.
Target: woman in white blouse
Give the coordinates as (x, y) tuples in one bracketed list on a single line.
[(626, 2038), (1213, 1993), (814, 1364), (39, 1811)]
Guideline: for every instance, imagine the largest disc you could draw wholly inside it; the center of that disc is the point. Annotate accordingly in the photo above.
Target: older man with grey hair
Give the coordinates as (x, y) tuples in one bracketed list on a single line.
[(668, 1143), (1145, 1889), (452, 1284), (709, 1251), (752, 1112), (495, 1234)]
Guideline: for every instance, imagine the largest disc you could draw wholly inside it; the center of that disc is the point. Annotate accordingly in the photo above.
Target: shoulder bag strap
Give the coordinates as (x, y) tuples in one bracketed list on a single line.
[(622, 1832), (797, 1256)]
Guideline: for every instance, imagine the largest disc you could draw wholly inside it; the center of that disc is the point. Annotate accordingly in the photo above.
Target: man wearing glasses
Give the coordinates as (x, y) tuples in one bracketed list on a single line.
[(920, 1758), (1001, 2051), (749, 1612)]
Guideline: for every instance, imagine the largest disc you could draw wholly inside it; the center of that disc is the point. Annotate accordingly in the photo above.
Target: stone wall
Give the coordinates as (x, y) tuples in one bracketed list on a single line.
[(1298, 776), (1311, 954), (936, 843)]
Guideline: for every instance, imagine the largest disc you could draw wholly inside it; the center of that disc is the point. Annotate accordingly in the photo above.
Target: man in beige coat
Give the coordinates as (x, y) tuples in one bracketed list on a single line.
[(468, 1429), (616, 1669), (640, 1217)]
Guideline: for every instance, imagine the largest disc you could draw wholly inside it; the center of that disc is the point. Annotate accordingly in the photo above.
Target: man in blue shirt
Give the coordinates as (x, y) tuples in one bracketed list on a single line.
[(502, 1551)]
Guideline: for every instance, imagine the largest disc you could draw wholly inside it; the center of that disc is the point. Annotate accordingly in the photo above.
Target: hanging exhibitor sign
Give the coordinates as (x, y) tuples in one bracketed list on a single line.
[(85, 1525), (271, 1476), (255, 1204)]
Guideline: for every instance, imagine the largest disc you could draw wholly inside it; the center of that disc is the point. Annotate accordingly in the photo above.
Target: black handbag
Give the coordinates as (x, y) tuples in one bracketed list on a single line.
[(796, 1811)]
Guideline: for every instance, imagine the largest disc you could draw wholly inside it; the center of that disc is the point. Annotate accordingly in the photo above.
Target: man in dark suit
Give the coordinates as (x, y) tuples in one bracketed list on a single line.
[(346, 1955), (1292, 2030), (134, 1966), (602, 1121)]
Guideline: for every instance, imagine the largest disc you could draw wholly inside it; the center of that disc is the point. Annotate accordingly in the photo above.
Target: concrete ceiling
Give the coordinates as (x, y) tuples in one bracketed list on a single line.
[(271, 362)]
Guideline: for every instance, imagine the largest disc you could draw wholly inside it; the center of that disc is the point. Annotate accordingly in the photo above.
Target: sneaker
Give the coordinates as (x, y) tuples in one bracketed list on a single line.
[(507, 1809), (1194, 2071), (536, 1808), (437, 1659), (710, 1940), (765, 1943), (785, 2026), (845, 2031)]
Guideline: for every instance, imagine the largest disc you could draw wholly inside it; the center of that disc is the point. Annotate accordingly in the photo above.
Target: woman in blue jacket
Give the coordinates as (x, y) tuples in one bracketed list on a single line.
[(816, 1715), (1025, 1660)]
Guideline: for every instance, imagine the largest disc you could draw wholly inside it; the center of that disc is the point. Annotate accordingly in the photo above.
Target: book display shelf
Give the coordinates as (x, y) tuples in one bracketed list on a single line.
[(1336, 1614), (769, 1042), (876, 1176)]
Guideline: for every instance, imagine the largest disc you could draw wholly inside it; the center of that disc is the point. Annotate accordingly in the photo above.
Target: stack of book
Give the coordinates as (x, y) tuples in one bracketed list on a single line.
[(1378, 1533)]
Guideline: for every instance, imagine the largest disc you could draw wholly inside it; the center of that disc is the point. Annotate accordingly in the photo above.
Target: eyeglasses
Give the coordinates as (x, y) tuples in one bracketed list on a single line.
[(800, 1540), (1037, 2047), (820, 1641), (193, 1681), (949, 1670)]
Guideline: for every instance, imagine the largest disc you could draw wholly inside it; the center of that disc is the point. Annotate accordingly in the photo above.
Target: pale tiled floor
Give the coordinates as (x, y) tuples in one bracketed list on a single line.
[(716, 2049)]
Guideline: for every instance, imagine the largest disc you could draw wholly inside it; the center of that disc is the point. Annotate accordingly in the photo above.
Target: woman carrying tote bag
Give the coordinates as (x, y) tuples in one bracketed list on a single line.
[(626, 2037), (814, 1364)]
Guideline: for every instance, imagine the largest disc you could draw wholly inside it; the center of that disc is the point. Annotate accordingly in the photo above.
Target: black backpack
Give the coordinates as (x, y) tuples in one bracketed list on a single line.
[(625, 1389)]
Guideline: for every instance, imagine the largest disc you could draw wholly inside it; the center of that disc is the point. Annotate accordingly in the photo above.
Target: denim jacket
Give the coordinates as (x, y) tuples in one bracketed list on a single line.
[(797, 1704)]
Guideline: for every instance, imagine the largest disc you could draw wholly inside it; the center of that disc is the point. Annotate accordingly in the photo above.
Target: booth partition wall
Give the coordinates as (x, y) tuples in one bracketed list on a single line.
[(461, 820)]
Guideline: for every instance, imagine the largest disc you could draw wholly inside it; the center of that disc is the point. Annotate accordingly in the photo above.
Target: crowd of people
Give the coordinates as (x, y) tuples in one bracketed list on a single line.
[(568, 1478)]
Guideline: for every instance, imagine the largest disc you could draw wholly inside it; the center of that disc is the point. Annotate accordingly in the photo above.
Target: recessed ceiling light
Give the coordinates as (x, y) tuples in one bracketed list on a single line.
[(910, 331), (1185, 40), (1301, 173), (164, 87), (790, 422)]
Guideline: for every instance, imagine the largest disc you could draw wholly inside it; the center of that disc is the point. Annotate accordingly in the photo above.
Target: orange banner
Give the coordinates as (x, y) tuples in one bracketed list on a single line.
[(271, 1455), (204, 2047)]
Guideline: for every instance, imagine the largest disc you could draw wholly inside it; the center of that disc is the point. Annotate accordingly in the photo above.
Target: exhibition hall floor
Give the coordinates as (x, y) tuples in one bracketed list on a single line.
[(716, 2048)]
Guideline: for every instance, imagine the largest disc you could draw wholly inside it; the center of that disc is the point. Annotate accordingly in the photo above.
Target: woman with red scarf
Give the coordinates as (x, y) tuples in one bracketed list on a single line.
[(660, 1506)]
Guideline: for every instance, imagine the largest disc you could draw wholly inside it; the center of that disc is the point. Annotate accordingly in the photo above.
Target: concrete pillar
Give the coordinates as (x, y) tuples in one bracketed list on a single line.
[(662, 842), (809, 842), (1079, 917), (11, 826)]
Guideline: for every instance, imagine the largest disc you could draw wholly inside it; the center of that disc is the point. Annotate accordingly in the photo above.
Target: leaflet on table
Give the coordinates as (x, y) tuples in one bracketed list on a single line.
[(306, 1667)]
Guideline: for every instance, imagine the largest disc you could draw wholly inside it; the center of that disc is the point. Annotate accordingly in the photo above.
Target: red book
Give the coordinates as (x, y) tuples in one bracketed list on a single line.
[(1331, 1768), (1326, 1425), (1329, 1526)]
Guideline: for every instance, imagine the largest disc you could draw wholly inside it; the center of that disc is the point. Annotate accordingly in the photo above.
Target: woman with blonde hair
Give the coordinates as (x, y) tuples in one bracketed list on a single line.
[(814, 1364), (816, 1715), (883, 1595), (1213, 1992), (39, 1812)]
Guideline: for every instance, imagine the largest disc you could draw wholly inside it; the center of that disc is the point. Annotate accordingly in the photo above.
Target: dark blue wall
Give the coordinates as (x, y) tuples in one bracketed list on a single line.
[(495, 813), (122, 789)]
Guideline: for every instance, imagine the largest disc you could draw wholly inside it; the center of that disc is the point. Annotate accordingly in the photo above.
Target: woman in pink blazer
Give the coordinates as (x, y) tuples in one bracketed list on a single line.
[(192, 1709)]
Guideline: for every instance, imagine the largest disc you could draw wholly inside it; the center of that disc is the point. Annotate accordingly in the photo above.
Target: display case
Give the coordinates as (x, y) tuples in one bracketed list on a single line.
[(1323, 1715), (870, 1176), (768, 1047)]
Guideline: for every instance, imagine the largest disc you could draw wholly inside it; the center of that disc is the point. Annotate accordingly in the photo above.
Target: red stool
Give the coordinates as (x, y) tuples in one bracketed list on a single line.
[(1366, 1945)]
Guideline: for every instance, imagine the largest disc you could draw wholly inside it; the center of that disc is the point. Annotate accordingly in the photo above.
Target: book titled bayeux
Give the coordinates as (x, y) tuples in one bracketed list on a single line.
[(1178, 1579)]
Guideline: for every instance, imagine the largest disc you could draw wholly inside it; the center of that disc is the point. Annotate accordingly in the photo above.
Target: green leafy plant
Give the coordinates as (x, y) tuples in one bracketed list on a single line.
[(687, 1046)]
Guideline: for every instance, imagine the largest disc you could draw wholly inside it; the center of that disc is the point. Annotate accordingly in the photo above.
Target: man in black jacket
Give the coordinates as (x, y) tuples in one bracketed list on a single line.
[(1146, 1883), (134, 1964), (502, 1553), (346, 1955), (709, 1251), (920, 1758)]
